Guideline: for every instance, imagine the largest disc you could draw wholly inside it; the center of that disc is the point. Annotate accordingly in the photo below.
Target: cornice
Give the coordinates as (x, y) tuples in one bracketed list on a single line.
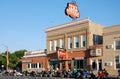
[(68, 24)]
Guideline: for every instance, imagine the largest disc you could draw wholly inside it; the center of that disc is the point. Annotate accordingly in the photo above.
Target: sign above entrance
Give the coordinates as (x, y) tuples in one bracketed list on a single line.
[(61, 53), (72, 10)]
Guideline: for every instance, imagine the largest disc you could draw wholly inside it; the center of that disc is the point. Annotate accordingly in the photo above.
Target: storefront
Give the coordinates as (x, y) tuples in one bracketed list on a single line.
[(80, 63), (34, 61), (60, 60)]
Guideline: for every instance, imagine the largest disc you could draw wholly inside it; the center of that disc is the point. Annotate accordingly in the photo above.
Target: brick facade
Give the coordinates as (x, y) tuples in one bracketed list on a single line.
[(36, 62), (110, 35), (80, 54)]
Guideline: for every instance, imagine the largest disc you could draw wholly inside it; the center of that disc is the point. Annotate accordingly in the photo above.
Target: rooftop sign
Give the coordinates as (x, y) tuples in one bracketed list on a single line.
[(72, 10)]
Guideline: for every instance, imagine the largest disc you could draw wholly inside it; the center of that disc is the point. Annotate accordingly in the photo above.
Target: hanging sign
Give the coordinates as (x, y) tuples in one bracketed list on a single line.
[(72, 10)]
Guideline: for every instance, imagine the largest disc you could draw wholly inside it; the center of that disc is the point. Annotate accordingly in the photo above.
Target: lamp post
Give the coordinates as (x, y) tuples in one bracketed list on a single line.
[(6, 55), (2, 67)]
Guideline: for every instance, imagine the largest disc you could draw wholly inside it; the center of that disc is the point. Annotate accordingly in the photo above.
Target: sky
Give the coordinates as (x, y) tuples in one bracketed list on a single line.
[(23, 22)]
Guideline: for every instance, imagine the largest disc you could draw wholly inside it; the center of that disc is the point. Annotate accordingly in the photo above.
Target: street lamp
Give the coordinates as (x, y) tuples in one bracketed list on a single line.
[(6, 55), (2, 67)]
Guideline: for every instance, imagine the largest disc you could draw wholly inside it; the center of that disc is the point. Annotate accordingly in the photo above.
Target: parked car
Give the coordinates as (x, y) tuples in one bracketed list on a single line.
[(18, 74)]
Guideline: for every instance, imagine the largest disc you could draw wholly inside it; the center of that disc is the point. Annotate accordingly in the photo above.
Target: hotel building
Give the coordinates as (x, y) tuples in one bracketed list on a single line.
[(77, 44)]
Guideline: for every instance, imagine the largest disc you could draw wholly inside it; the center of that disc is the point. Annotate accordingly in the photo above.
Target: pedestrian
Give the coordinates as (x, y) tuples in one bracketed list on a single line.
[(101, 75), (92, 75), (106, 73)]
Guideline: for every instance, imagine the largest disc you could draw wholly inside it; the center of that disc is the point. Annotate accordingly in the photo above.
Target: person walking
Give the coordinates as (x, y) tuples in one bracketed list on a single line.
[(101, 75), (105, 73)]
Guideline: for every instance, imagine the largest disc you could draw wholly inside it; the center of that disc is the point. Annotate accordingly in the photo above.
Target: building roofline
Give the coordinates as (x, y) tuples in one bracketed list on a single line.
[(68, 24), (112, 26), (34, 55)]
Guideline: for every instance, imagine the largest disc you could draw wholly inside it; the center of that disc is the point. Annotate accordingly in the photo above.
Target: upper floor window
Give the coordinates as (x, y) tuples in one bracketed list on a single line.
[(83, 41), (97, 39), (51, 46), (70, 43), (61, 43), (55, 44), (117, 45), (76, 42), (117, 61)]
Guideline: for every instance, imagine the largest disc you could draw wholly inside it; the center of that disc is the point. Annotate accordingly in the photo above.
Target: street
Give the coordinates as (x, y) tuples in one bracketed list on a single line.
[(29, 77)]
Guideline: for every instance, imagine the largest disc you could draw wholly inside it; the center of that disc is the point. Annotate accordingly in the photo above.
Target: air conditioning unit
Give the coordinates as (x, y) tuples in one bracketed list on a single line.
[(109, 46), (108, 64), (98, 51)]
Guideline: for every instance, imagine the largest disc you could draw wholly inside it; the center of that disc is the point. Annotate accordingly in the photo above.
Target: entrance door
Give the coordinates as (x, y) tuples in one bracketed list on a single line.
[(100, 64), (80, 64)]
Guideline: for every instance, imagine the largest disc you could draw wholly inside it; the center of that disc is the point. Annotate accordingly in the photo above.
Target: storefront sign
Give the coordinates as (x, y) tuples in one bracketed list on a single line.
[(62, 54), (72, 10)]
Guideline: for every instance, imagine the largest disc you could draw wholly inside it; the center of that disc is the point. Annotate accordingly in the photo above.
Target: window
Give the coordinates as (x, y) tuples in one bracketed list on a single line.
[(70, 43), (40, 65), (80, 63), (55, 44), (97, 39), (28, 65), (51, 46), (61, 43), (117, 61), (117, 45), (83, 41), (76, 42), (98, 51)]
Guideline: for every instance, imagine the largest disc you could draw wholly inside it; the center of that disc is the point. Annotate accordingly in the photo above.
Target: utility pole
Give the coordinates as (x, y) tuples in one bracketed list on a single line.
[(6, 55)]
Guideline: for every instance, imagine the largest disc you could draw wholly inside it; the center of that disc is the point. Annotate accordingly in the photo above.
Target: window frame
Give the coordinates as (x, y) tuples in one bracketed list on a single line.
[(115, 45), (61, 43), (83, 40), (51, 45), (118, 61), (70, 43), (76, 42)]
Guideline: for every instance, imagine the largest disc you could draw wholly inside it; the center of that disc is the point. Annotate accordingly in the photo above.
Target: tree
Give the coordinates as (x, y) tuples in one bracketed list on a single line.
[(14, 59), (19, 54)]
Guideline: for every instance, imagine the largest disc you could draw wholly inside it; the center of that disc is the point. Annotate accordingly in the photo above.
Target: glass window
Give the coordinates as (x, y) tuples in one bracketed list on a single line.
[(51, 46), (61, 43), (79, 64), (28, 65), (83, 41), (55, 44), (117, 45), (40, 65), (97, 39), (117, 60), (70, 43), (76, 42)]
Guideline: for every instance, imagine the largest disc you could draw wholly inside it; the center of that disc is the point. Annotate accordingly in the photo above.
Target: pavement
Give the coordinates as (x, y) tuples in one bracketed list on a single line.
[(29, 77)]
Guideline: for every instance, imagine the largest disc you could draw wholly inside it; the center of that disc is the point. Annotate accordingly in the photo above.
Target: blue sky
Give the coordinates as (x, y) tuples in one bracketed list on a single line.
[(23, 22)]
